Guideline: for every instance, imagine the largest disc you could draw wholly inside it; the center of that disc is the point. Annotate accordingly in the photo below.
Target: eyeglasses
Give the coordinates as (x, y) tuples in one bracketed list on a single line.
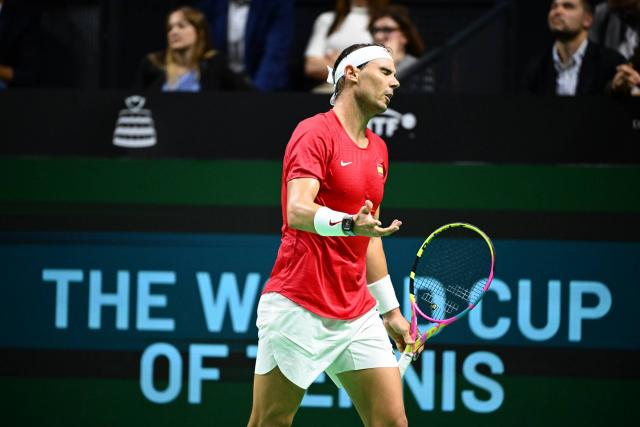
[(385, 30)]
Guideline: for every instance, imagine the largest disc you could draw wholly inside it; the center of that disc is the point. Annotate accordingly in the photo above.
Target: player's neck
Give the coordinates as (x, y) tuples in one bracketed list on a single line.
[(353, 120)]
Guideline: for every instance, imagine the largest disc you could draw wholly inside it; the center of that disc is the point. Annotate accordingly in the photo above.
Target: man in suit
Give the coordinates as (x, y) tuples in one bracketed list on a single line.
[(574, 66), (256, 35), (617, 25)]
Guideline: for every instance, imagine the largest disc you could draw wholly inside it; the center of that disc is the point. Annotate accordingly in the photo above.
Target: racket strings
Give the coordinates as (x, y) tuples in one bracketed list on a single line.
[(429, 298), (451, 274)]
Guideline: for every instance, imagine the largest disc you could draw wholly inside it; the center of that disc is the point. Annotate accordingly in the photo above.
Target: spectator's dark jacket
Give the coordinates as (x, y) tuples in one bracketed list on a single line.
[(598, 69), (268, 39)]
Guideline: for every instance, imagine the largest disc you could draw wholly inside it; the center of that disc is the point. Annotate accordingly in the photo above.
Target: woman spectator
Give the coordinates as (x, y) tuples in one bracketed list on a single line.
[(393, 28), (336, 30), (188, 64)]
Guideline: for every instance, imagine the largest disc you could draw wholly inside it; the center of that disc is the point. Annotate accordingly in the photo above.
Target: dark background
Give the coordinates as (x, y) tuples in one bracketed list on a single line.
[(93, 44)]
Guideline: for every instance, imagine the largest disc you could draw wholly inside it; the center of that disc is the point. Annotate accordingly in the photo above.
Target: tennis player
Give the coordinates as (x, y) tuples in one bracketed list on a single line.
[(320, 309)]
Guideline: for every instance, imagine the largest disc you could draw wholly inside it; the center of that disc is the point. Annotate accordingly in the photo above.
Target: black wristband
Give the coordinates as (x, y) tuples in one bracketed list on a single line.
[(348, 224)]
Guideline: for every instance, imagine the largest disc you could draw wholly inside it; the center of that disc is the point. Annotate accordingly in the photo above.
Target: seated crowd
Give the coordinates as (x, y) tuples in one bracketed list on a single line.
[(247, 45), (584, 59)]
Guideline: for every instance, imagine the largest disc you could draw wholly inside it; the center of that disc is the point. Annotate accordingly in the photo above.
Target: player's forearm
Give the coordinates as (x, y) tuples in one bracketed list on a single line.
[(379, 282), (378, 279), (300, 215), (301, 206), (376, 261), (304, 214)]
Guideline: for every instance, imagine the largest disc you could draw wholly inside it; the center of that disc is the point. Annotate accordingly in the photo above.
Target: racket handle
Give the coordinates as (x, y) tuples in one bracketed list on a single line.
[(405, 359)]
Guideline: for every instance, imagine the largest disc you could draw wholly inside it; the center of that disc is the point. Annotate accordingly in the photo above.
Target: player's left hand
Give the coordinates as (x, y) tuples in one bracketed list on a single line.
[(399, 329)]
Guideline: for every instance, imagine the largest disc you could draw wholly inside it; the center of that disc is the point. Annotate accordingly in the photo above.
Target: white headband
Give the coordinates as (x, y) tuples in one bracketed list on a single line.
[(355, 58)]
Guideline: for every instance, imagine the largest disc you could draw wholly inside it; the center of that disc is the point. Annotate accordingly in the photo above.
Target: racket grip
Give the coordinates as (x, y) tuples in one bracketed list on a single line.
[(403, 363)]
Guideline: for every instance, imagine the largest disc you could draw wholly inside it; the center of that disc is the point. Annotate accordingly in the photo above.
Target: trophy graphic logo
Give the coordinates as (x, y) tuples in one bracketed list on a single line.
[(134, 127)]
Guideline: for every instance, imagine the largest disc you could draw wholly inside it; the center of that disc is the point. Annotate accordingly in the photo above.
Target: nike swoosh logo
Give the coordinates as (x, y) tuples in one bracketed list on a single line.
[(345, 163), (331, 223)]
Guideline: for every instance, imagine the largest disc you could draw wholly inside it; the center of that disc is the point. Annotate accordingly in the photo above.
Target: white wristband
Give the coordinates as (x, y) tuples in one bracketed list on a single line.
[(382, 291), (328, 222)]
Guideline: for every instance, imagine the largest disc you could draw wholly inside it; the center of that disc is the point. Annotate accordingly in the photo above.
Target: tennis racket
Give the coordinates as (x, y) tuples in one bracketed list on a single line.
[(451, 273)]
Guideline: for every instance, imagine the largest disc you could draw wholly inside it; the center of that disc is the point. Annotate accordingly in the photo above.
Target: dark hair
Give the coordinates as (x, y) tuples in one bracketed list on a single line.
[(343, 7), (343, 54), (588, 6), (400, 14)]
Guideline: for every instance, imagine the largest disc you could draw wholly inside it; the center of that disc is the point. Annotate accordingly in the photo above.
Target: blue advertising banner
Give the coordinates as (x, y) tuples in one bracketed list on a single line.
[(123, 290), (178, 296)]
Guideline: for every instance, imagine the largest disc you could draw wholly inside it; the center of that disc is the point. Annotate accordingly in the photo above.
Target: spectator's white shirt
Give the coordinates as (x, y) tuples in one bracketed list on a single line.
[(568, 74), (629, 43), (236, 27), (354, 29)]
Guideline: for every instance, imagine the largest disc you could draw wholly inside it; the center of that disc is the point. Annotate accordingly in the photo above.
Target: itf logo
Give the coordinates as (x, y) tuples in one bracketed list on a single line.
[(134, 127), (388, 122)]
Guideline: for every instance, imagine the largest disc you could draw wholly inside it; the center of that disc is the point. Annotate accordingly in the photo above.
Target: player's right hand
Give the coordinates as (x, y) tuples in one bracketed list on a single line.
[(367, 225)]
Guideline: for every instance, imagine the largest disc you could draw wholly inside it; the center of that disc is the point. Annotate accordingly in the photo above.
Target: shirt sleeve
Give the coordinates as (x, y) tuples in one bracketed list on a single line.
[(317, 45), (307, 154)]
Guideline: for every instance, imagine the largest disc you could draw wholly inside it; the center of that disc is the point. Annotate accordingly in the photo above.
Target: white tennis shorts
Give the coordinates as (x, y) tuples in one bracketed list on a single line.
[(303, 345)]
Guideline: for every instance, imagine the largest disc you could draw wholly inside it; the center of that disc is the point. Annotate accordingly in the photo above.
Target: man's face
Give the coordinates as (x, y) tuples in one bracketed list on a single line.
[(628, 10), (568, 18), (376, 83)]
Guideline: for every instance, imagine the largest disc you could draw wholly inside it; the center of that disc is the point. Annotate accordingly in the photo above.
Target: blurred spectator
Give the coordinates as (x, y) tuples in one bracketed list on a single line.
[(188, 64), (617, 25), (574, 66), (336, 30), (395, 30), (19, 45), (627, 78), (256, 35)]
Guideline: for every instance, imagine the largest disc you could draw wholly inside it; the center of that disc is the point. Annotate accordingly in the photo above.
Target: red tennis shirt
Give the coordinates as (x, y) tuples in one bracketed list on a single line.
[(326, 275)]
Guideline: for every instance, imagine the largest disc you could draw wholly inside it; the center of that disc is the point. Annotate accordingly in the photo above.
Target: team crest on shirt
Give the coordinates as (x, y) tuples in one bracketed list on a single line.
[(380, 168)]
